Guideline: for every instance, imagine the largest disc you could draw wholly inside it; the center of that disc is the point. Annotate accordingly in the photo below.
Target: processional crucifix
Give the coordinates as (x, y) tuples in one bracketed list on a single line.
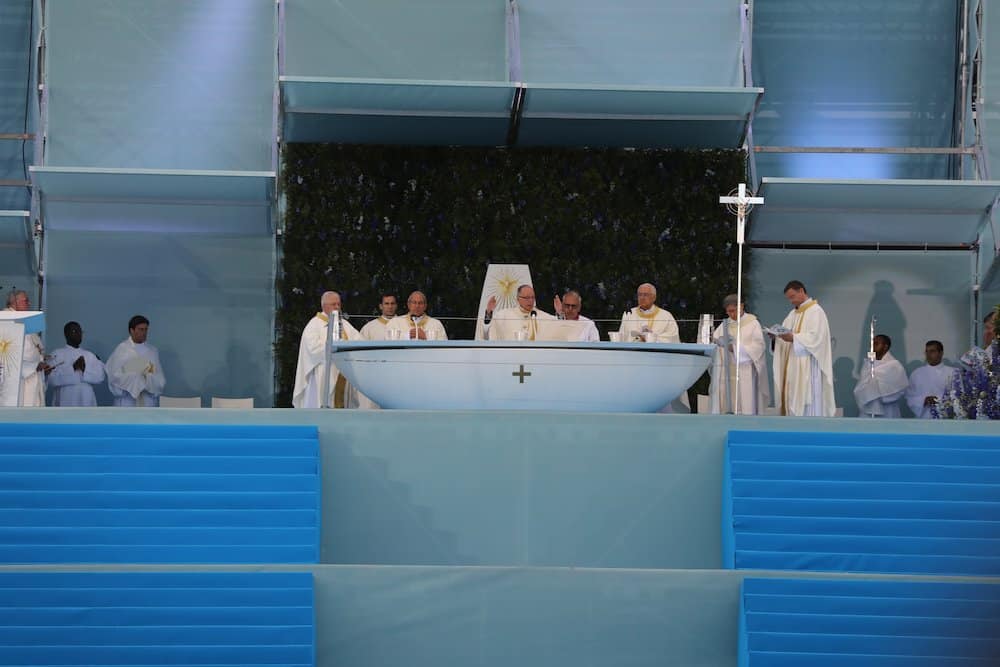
[(739, 205)]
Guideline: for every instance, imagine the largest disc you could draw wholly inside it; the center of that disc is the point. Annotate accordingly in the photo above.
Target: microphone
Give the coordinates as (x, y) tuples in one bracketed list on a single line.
[(534, 313)]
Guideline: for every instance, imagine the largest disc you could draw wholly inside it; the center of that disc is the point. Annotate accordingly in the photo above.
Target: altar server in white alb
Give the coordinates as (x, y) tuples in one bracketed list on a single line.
[(929, 382), (754, 394), (33, 366), (803, 360), (375, 329), (569, 305), (514, 323), (416, 324), (880, 394), (648, 322), (75, 371), (308, 389), (135, 376)]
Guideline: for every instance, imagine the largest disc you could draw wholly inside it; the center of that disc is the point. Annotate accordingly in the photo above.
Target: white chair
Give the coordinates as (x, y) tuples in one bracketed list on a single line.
[(180, 401), (232, 402)]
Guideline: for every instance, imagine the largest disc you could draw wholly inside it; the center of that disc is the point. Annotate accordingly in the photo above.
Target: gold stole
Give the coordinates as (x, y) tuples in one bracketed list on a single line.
[(784, 380), (340, 386)]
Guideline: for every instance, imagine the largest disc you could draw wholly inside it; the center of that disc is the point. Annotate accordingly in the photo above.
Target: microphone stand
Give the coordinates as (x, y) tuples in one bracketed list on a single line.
[(871, 352)]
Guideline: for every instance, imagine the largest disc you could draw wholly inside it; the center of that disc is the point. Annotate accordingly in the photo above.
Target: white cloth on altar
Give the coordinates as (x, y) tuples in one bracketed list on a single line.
[(881, 395), (73, 388), (637, 324), (431, 326), (135, 376), (754, 393), (927, 381), (308, 388), (507, 322), (375, 329), (803, 369)]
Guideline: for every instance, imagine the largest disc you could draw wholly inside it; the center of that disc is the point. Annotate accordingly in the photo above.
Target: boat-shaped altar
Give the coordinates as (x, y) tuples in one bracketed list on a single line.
[(516, 375)]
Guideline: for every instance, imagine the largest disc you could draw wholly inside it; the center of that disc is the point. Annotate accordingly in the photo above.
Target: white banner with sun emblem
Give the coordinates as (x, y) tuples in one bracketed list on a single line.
[(11, 347), (502, 281)]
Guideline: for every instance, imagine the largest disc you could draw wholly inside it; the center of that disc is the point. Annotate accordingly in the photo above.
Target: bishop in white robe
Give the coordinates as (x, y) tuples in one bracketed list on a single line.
[(803, 360), (525, 318), (33, 366), (582, 328), (647, 321), (308, 389), (135, 376), (75, 371), (416, 324), (929, 382), (882, 385), (754, 394)]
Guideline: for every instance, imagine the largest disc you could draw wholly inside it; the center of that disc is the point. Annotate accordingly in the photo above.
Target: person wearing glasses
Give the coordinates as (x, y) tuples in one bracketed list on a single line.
[(519, 323), (647, 322), (569, 305)]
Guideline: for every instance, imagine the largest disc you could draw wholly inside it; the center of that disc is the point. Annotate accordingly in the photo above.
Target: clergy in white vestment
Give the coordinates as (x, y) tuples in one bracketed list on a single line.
[(375, 329), (515, 323), (754, 394), (75, 371), (308, 390), (33, 366), (929, 382), (416, 324), (135, 376), (803, 359), (647, 321), (569, 306), (882, 385)]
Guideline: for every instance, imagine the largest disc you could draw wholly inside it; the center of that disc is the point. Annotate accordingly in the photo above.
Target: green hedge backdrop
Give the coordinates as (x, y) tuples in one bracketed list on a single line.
[(362, 220)]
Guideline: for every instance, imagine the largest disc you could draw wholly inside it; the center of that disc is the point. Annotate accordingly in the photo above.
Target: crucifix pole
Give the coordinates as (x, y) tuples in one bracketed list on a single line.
[(740, 205)]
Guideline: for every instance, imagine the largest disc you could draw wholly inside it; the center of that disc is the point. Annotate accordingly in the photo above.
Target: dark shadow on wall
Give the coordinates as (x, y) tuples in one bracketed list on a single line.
[(890, 321)]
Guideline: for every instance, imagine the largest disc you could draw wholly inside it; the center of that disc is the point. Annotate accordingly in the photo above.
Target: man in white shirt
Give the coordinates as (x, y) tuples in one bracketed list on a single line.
[(803, 360), (135, 376), (308, 390), (33, 366), (881, 387), (375, 329), (74, 371), (647, 321), (416, 324), (515, 323), (569, 305), (929, 382)]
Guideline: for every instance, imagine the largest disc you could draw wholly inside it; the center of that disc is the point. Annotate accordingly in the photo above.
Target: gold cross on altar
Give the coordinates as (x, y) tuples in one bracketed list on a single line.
[(521, 374)]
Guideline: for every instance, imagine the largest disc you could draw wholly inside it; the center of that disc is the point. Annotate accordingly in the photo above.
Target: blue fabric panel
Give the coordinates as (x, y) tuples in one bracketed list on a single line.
[(158, 494), (863, 503), (868, 622), (161, 618)]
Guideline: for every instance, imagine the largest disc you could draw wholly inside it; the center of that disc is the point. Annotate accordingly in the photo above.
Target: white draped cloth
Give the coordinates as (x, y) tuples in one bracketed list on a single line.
[(135, 376), (655, 325), (431, 326), (375, 329), (588, 330), (73, 388), (308, 389), (32, 379), (803, 369), (507, 322), (754, 394), (880, 394), (927, 381)]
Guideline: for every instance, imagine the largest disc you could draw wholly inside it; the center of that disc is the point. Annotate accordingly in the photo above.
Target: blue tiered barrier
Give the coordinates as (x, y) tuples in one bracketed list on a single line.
[(159, 494), (865, 623), (853, 502), (156, 619)]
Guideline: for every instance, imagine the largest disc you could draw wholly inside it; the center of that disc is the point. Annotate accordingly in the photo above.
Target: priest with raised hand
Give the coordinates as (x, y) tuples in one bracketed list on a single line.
[(569, 308), (135, 376), (520, 323), (647, 322), (416, 324), (803, 359), (74, 371), (33, 366), (375, 329), (754, 394), (929, 382), (308, 389), (882, 385)]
